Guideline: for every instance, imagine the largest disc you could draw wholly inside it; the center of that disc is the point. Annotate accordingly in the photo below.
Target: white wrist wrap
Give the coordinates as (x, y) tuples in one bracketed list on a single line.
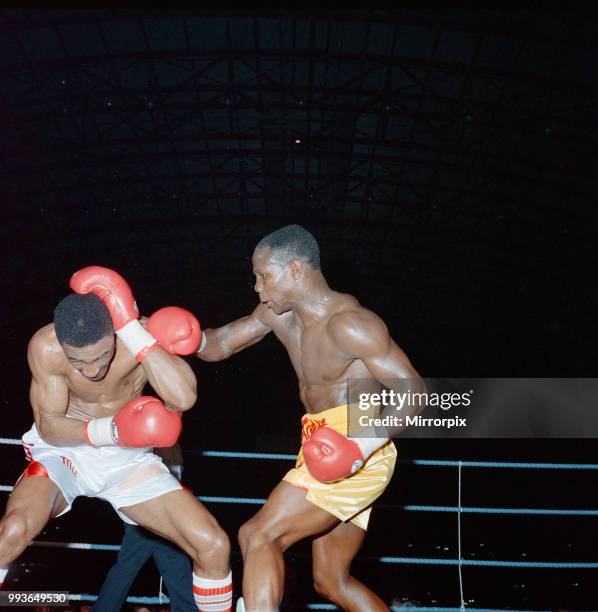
[(368, 442), (102, 432), (136, 338)]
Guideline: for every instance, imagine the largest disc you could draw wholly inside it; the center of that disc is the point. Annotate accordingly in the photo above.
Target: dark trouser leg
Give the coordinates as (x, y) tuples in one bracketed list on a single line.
[(136, 548)]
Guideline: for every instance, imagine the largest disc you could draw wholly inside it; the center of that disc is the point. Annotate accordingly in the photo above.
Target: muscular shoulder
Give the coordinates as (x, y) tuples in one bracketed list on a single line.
[(358, 331), (44, 352)]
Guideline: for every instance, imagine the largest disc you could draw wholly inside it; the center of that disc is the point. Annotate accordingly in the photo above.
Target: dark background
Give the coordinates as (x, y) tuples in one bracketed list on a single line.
[(446, 165)]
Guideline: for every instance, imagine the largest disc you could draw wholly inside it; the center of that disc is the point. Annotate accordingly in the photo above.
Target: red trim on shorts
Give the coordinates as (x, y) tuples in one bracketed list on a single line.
[(308, 426), (27, 448), (69, 464), (35, 468)]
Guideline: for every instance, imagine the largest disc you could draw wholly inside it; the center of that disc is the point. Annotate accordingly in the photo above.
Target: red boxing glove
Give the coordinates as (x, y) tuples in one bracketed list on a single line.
[(330, 456), (144, 421), (111, 288), (116, 294), (176, 330)]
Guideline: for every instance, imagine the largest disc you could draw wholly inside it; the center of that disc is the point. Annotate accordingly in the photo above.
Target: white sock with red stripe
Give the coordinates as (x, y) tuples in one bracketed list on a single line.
[(3, 572), (213, 595)]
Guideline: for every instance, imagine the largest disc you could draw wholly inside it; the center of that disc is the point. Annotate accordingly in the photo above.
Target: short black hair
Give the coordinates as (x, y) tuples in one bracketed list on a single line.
[(292, 242), (81, 320)]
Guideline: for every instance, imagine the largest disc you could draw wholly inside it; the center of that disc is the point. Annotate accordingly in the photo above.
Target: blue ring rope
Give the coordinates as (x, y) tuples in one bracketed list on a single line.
[(473, 510), (428, 462), (507, 464)]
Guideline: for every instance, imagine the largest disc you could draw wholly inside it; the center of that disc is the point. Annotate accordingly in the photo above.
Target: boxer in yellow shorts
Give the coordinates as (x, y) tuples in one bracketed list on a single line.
[(331, 339), (349, 499)]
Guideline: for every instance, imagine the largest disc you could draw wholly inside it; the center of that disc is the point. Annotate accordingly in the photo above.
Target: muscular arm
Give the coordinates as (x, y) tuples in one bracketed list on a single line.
[(171, 377), (363, 335), (224, 341), (49, 396)]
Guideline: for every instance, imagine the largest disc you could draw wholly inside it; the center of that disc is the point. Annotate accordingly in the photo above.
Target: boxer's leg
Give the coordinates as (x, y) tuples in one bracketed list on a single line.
[(332, 556), (286, 518), (32, 503), (181, 518)]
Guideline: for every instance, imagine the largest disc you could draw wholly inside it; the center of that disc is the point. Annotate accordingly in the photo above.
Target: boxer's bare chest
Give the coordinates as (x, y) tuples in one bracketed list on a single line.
[(124, 381), (315, 356)]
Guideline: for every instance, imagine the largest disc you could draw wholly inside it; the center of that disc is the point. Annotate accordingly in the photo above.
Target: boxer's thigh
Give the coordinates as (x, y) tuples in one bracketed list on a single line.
[(334, 551), (287, 517), (178, 516), (35, 499)]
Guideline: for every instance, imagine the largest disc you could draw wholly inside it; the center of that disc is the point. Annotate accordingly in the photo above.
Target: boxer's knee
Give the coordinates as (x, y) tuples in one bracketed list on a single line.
[(253, 536), (16, 532), (327, 584), (14, 526), (243, 535), (211, 549)]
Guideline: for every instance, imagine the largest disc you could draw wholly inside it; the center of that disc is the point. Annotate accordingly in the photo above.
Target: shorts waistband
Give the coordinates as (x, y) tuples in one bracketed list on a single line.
[(335, 418)]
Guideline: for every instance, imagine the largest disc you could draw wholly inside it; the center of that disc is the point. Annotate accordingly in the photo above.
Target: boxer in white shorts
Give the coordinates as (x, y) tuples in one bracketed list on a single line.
[(94, 431), (111, 473)]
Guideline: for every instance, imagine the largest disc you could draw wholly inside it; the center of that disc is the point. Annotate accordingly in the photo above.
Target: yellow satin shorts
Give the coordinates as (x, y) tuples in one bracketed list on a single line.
[(349, 499)]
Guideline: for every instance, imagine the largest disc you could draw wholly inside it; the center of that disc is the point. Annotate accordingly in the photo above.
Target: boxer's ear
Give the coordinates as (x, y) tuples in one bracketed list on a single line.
[(297, 269)]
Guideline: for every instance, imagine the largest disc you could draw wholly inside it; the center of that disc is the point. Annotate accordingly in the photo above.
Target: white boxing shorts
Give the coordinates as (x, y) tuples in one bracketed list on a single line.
[(121, 476)]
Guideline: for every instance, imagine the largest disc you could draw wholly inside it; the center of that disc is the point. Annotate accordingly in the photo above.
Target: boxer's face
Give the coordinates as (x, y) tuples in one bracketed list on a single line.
[(92, 361), (274, 282)]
